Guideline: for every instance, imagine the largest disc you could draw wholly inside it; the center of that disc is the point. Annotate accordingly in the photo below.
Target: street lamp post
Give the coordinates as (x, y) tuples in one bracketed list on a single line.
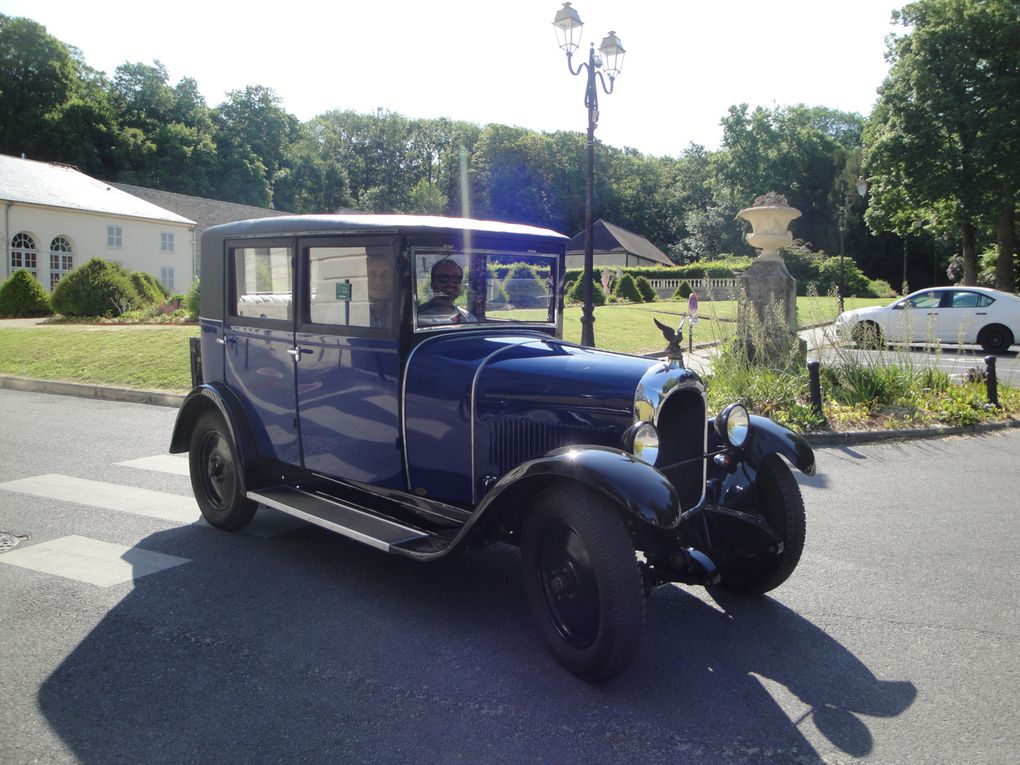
[(862, 189), (610, 56)]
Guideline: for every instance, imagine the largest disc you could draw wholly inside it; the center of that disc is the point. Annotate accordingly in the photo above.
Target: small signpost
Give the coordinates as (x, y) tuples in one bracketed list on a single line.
[(692, 314)]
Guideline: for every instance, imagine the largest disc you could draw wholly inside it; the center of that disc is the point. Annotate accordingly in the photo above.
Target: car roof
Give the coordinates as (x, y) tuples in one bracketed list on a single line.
[(324, 224)]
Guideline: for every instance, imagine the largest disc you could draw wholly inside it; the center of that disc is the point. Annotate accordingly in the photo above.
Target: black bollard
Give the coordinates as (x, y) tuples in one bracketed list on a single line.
[(816, 389), (991, 383)]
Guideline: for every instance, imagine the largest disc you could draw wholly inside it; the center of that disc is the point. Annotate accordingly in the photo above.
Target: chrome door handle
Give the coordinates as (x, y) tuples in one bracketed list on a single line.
[(296, 352)]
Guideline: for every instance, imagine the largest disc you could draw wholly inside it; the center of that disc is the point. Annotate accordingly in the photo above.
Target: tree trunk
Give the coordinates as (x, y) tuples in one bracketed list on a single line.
[(1004, 278), (970, 269)]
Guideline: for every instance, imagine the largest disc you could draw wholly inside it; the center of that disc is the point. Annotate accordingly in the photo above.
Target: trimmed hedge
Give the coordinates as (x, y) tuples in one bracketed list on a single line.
[(626, 289), (23, 295), (693, 271), (148, 288), (573, 295), (523, 287), (98, 288), (648, 293)]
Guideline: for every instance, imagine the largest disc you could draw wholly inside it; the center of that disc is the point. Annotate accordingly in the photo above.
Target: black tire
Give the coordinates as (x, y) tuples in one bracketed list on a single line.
[(867, 335), (583, 583), (995, 338), (780, 503), (216, 475)]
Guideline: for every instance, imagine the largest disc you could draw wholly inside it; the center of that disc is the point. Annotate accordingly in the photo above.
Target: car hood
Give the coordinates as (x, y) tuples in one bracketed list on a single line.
[(479, 403)]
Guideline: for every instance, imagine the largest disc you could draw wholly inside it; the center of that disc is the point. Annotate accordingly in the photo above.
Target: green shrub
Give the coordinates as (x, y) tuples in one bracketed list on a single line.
[(148, 288), (98, 288), (626, 289), (523, 287), (191, 302), (598, 297), (23, 295), (855, 283), (683, 291), (648, 293), (881, 288)]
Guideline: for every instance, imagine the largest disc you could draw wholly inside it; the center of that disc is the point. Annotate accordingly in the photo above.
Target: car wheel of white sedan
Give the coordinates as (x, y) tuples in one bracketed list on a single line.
[(868, 335), (995, 338)]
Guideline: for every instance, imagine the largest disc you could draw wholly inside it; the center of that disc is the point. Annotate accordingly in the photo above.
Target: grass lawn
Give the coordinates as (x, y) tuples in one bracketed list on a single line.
[(630, 329), (148, 357), (155, 356)]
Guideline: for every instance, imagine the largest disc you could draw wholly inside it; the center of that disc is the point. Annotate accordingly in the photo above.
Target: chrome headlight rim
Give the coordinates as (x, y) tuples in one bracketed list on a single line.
[(642, 440), (733, 425)]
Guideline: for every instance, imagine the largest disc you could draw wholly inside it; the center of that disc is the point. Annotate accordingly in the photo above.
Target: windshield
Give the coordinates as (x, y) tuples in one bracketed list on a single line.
[(460, 287)]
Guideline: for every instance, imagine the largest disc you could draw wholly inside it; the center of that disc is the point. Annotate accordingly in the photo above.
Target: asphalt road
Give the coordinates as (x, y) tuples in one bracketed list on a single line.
[(897, 640)]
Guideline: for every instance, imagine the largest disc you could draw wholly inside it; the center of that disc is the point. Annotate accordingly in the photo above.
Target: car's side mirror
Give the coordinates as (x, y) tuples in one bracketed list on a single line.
[(899, 306)]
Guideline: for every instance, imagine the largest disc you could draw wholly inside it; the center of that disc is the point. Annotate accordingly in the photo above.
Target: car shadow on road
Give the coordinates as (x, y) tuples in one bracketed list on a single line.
[(311, 648)]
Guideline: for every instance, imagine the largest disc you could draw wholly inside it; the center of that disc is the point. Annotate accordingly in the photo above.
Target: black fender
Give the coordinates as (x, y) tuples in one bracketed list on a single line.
[(767, 437), (216, 397), (636, 487)]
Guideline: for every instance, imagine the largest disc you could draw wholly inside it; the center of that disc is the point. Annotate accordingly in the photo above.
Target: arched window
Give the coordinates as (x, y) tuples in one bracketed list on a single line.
[(61, 259), (23, 253)]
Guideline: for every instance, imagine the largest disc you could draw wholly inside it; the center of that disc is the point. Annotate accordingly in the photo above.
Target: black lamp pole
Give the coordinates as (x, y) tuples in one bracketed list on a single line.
[(568, 25)]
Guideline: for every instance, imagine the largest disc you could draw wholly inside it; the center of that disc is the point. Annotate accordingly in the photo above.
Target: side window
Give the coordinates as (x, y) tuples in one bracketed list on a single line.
[(351, 286), (262, 282), (927, 300)]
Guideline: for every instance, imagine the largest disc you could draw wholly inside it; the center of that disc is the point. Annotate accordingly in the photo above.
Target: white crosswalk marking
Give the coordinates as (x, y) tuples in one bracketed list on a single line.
[(124, 499), (90, 560), (161, 463), (103, 563)]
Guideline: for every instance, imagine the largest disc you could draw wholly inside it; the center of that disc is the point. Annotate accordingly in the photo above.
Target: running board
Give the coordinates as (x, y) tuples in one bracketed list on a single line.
[(343, 519)]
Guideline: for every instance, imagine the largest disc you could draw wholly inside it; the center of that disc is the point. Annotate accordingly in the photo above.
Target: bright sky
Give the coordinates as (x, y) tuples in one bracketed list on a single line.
[(483, 62)]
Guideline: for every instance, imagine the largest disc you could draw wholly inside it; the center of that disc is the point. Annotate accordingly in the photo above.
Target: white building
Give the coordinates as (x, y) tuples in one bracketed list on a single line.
[(54, 219)]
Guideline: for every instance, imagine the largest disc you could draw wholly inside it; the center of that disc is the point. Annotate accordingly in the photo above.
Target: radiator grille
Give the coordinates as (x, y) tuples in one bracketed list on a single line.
[(513, 441)]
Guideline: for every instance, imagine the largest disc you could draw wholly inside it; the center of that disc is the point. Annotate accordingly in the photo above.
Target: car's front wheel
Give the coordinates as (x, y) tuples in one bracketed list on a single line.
[(995, 338), (583, 583), (216, 475), (867, 335), (781, 506)]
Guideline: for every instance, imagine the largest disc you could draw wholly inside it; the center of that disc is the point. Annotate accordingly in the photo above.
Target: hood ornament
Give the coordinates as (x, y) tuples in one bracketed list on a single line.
[(674, 340)]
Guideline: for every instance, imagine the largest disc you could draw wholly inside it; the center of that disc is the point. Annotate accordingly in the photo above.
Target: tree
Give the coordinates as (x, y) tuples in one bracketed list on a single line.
[(942, 145), (38, 75), (252, 133)]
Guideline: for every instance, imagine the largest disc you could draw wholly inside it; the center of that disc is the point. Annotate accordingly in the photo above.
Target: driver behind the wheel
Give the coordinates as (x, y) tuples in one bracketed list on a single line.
[(447, 277)]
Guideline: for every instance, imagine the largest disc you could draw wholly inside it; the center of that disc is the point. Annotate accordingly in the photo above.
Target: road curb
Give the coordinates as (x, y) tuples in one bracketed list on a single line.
[(85, 390), (163, 398), (851, 437)]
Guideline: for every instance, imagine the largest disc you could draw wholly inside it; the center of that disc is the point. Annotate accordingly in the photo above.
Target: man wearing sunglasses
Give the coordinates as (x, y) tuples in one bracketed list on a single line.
[(447, 278)]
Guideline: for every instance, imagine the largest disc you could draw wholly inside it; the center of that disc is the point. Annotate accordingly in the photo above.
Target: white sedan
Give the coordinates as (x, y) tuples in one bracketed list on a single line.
[(965, 315)]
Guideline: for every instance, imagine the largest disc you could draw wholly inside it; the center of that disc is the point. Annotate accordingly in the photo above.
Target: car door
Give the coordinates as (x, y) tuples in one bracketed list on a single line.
[(916, 322), (258, 338), (961, 315), (348, 359)]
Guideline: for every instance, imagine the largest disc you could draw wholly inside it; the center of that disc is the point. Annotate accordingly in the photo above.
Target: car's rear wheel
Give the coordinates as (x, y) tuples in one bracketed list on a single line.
[(583, 583), (216, 475), (868, 335), (782, 507), (995, 338)]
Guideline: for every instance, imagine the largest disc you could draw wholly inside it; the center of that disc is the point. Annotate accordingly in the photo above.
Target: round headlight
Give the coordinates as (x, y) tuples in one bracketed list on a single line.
[(734, 424), (642, 440)]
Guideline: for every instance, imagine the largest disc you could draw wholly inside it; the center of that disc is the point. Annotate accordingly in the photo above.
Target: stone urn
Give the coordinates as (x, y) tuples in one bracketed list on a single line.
[(769, 292), (770, 218)]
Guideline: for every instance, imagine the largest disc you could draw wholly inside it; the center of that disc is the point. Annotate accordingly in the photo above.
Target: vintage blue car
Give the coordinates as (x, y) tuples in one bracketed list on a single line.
[(400, 380)]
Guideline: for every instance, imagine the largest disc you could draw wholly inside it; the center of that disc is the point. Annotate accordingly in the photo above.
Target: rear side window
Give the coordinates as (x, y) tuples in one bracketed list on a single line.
[(971, 300), (351, 286), (262, 282)]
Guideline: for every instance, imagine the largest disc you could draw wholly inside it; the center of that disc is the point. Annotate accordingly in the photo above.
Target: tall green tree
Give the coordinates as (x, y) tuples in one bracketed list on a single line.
[(943, 144), (38, 76), (252, 133)]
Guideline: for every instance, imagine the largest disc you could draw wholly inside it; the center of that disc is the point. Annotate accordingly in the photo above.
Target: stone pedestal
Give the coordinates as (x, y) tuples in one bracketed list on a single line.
[(767, 289)]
